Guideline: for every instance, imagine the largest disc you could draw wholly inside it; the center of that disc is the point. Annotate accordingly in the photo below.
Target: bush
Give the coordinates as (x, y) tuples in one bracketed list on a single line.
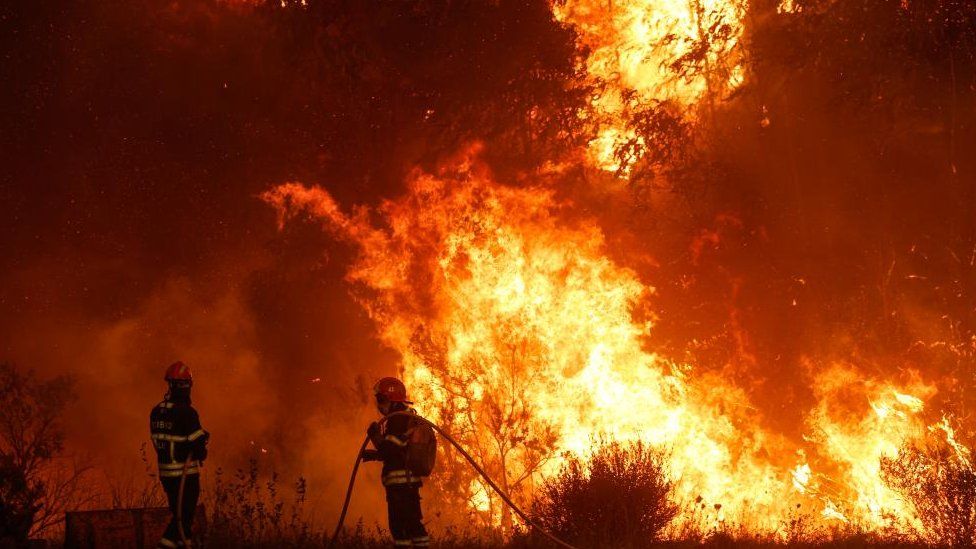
[(620, 497), (941, 485)]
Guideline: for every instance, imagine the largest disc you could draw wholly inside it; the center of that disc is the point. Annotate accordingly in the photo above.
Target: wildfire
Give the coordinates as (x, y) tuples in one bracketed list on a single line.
[(643, 51), (521, 336), (853, 439)]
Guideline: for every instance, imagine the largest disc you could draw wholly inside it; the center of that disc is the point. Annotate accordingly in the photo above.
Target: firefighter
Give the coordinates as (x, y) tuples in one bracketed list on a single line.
[(390, 447), (181, 447)]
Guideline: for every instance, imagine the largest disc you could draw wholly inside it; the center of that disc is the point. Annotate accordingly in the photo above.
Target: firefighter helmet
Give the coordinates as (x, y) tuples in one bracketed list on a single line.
[(392, 389), (178, 372)]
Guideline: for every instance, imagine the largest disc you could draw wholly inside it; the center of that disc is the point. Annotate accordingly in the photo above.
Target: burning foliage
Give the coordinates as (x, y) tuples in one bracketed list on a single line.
[(517, 335), (646, 52), (501, 299), (939, 482)]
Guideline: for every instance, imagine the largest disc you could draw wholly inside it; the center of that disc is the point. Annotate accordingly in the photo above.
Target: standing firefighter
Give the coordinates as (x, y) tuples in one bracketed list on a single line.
[(181, 447), (407, 449)]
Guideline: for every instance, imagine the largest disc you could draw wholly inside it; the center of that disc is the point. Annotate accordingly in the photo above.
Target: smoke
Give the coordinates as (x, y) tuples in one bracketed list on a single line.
[(137, 138)]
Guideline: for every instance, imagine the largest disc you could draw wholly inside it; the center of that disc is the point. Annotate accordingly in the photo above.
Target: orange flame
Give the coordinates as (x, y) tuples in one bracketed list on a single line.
[(856, 422), (501, 303), (653, 50)]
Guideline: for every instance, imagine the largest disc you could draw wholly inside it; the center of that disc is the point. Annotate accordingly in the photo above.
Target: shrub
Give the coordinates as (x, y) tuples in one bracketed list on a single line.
[(619, 497), (941, 485)]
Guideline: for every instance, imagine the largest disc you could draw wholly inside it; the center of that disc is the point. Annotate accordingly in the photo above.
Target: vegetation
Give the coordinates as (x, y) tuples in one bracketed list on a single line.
[(37, 483), (250, 512), (941, 485), (620, 497), (501, 429)]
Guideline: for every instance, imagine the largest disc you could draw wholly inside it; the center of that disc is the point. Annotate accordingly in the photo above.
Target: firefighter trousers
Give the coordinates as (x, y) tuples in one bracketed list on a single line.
[(406, 519), (191, 493)]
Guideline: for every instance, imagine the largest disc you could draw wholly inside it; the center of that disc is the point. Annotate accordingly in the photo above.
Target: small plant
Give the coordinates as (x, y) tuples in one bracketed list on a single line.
[(249, 512), (620, 497)]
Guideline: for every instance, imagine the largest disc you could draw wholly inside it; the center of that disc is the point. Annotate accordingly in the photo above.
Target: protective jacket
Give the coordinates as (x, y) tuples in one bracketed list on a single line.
[(176, 432), (391, 449)]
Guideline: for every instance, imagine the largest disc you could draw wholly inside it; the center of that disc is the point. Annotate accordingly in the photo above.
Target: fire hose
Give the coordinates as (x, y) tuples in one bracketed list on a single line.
[(359, 457), (179, 501)]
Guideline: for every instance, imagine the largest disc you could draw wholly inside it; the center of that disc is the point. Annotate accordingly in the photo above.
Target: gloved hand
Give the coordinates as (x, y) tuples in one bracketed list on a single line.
[(371, 455), (199, 448), (373, 430)]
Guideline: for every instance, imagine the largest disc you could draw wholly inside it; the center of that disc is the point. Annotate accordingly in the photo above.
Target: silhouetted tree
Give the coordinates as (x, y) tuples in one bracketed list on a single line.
[(34, 488)]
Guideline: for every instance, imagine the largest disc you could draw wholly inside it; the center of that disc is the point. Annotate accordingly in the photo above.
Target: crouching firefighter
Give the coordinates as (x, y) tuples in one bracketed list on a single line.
[(181, 447), (407, 447)]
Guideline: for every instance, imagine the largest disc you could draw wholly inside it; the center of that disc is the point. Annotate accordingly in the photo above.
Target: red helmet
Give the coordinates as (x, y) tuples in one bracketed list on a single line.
[(178, 371), (392, 388)]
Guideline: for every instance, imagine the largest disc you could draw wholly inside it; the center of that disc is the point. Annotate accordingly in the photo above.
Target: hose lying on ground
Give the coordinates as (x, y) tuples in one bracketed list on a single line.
[(484, 475)]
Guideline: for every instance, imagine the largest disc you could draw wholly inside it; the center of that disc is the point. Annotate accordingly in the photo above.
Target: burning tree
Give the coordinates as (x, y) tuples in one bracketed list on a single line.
[(524, 337), (518, 333), (490, 412), (645, 53)]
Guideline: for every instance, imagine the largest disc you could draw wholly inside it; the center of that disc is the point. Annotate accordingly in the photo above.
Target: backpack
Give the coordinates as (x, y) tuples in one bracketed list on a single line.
[(421, 448)]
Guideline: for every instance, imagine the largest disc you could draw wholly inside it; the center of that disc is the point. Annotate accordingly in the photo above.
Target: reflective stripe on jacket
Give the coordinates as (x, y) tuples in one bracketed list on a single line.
[(170, 470), (176, 434), (392, 443), (401, 476)]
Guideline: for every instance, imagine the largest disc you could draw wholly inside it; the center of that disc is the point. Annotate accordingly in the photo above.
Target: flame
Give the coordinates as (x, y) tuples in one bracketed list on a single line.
[(962, 453), (830, 512), (645, 51), (801, 477), (518, 333), (856, 422), (486, 289)]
